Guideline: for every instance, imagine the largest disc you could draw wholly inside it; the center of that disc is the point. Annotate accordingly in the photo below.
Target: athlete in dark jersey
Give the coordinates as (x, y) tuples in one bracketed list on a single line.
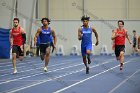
[(119, 36), (45, 33), (85, 35), (17, 39), (135, 40)]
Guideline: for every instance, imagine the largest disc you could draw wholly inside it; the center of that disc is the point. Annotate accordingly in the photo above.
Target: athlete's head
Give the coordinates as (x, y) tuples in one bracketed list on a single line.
[(16, 22), (85, 20), (134, 32), (120, 24), (45, 21)]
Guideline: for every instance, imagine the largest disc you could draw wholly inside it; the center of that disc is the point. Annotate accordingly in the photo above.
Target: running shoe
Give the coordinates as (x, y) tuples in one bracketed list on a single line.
[(15, 71), (45, 69)]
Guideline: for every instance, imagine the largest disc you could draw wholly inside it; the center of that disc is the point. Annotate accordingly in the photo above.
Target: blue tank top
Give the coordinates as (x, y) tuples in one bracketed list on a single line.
[(45, 36), (51, 38), (87, 36)]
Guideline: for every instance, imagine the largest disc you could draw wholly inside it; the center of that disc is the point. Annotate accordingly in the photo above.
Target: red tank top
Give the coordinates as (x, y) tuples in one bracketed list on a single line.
[(17, 37), (120, 40)]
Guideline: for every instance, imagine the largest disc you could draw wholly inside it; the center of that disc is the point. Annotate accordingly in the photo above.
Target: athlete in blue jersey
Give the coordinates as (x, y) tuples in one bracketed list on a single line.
[(85, 35), (46, 34)]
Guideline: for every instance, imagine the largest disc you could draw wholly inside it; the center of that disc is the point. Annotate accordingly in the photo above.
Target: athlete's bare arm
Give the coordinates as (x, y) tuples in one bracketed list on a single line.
[(128, 38), (113, 35), (36, 35), (96, 35), (23, 31), (11, 38), (54, 37), (80, 34)]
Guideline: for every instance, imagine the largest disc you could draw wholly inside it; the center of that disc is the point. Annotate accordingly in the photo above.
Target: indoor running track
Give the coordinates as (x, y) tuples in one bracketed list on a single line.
[(67, 75)]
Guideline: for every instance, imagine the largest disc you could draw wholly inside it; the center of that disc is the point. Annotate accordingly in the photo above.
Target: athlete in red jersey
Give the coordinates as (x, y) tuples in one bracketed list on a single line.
[(17, 39), (119, 36)]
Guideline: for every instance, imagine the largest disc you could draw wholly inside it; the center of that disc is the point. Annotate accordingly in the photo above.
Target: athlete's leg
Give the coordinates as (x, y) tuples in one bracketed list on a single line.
[(42, 51), (21, 53), (88, 52), (14, 54), (14, 62), (85, 62), (121, 59), (83, 51), (84, 54), (88, 56), (121, 50), (47, 57), (117, 52), (135, 50), (42, 55)]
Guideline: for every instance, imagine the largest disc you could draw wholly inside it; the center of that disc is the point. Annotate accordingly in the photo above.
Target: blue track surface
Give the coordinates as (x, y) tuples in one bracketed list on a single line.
[(67, 75)]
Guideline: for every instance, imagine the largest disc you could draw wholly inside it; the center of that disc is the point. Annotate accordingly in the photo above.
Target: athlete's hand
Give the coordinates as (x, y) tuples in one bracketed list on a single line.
[(80, 36), (54, 46), (130, 43), (11, 45), (35, 42), (21, 47), (97, 42), (116, 35)]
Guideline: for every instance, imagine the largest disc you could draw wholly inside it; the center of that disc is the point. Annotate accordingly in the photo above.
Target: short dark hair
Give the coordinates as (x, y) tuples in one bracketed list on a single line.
[(121, 21), (134, 30), (16, 19), (48, 20), (85, 18)]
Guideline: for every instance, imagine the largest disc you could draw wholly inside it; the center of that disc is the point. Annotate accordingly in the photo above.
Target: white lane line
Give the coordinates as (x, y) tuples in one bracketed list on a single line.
[(38, 59), (44, 81), (111, 91), (9, 69), (28, 62), (9, 62), (66, 62), (36, 73), (19, 63), (30, 73), (8, 81), (65, 88)]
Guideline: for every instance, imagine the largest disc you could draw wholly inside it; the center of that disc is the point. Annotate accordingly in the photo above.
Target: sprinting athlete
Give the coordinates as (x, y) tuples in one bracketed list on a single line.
[(17, 40), (85, 35), (119, 36), (45, 33)]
